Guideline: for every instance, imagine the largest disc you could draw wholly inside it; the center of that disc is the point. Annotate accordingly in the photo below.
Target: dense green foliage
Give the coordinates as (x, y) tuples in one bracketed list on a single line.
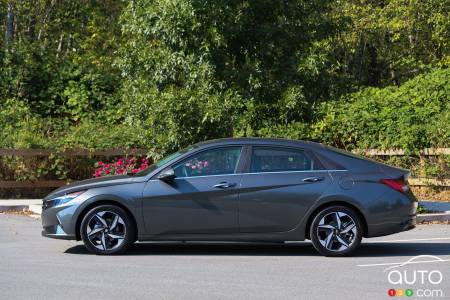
[(219, 68), (162, 74), (414, 116)]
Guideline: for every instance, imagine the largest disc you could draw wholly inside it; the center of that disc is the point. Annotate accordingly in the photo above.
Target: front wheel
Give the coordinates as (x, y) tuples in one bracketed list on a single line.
[(107, 229), (336, 231)]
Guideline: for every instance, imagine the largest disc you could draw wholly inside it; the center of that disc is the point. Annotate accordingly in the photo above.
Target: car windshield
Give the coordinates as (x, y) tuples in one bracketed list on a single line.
[(164, 161)]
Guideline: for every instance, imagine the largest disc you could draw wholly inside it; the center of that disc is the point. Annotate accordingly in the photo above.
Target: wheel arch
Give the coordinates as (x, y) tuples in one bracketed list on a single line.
[(336, 203), (98, 203)]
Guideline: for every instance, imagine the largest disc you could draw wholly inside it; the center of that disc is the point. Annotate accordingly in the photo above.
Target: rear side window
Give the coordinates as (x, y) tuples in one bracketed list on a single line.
[(279, 160)]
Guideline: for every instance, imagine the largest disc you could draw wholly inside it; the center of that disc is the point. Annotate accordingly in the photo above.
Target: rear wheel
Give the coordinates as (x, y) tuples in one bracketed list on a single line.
[(336, 231), (107, 229)]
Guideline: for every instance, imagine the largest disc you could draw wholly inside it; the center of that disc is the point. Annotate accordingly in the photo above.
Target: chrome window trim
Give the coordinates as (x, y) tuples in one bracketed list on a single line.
[(301, 171), (258, 173)]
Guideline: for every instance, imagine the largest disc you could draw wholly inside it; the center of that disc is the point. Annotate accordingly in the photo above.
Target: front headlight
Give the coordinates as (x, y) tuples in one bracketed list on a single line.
[(62, 199)]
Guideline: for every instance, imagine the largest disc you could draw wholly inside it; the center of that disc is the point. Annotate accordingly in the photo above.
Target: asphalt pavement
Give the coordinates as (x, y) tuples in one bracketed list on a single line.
[(33, 267)]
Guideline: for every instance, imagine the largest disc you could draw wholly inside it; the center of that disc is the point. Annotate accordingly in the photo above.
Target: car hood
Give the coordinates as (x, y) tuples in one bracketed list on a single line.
[(94, 183)]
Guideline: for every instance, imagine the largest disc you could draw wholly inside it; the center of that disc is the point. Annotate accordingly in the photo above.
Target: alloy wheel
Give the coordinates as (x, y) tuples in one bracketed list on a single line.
[(106, 230), (337, 231)]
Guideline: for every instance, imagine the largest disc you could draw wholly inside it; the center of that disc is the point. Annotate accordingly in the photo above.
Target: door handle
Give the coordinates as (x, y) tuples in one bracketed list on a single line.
[(313, 179), (224, 185)]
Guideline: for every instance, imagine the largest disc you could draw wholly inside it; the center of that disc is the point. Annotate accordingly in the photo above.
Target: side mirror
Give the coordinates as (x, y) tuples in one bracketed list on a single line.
[(167, 175)]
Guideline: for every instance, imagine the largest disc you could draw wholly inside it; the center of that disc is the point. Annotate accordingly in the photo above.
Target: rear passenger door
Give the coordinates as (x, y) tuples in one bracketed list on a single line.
[(278, 187)]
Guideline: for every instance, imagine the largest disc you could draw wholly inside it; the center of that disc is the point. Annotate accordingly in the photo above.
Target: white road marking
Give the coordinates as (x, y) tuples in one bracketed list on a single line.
[(409, 262), (399, 263), (412, 240)]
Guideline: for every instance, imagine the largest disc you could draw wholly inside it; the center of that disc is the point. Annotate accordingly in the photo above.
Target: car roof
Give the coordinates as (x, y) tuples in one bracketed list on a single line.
[(259, 141)]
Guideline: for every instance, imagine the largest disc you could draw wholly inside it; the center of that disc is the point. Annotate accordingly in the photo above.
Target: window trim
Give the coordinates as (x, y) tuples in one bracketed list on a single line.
[(244, 162), (235, 172), (261, 173)]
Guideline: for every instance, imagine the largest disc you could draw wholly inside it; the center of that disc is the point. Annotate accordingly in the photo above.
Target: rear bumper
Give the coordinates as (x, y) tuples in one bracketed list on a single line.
[(409, 223), (393, 227)]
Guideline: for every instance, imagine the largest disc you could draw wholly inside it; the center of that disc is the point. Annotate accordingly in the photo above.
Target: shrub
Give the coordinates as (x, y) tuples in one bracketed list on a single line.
[(412, 117)]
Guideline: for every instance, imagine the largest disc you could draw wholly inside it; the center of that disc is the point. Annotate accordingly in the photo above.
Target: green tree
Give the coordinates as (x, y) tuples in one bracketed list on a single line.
[(58, 56), (386, 42), (194, 70)]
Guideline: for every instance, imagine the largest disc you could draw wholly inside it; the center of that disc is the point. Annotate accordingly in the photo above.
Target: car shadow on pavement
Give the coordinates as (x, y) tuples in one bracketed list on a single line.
[(254, 249), (403, 249)]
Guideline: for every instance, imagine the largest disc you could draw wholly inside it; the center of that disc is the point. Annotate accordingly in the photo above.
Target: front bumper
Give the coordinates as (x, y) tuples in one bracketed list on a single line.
[(59, 222), (56, 232)]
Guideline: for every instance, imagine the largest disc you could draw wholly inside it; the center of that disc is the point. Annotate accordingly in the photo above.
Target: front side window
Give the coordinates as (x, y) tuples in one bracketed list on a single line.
[(279, 160), (164, 161), (217, 161)]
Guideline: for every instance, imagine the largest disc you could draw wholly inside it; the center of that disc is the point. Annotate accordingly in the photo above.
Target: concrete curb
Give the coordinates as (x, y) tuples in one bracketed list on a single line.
[(37, 209), (4, 208), (440, 217), (33, 205)]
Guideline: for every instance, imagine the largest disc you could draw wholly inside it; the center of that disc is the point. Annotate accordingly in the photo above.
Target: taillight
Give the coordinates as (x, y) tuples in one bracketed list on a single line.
[(396, 184)]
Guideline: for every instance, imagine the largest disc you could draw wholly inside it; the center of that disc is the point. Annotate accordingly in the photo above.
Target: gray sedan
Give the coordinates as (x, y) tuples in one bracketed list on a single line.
[(247, 189)]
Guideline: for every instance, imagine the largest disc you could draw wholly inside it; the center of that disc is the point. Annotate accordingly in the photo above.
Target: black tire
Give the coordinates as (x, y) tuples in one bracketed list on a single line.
[(101, 242), (320, 235)]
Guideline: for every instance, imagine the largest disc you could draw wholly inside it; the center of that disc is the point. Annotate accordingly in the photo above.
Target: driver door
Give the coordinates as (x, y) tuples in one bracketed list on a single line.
[(202, 199)]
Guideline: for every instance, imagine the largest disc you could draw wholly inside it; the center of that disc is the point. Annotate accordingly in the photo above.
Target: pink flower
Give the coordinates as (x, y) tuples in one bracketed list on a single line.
[(122, 165)]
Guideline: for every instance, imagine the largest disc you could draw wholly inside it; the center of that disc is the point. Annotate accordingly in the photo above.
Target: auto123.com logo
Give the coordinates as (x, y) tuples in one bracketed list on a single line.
[(417, 277)]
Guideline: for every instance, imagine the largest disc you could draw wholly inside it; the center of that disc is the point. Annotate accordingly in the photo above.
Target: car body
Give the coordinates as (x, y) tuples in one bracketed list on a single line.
[(241, 189)]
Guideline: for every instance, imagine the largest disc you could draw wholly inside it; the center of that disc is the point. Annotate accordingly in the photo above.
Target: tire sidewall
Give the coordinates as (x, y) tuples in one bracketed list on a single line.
[(129, 233), (313, 231)]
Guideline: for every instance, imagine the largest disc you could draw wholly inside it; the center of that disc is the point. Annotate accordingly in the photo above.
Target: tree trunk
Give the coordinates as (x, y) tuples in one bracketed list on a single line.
[(61, 37), (69, 43), (31, 28), (9, 32), (394, 78), (373, 76)]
